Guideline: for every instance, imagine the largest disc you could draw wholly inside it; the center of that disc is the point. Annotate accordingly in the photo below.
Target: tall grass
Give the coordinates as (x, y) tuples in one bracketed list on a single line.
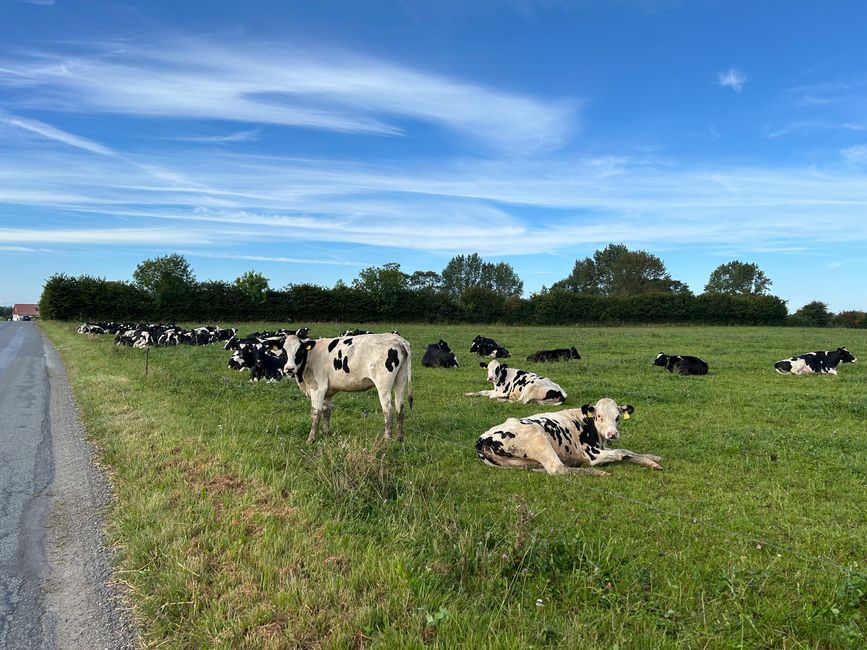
[(235, 534)]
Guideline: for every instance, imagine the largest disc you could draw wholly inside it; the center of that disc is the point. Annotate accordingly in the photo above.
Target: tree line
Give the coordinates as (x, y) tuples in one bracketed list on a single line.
[(614, 286)]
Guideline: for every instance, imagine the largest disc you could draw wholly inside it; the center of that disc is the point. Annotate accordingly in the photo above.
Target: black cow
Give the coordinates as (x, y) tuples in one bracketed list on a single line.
[(685, 365), (262, 363), (560, 354), (824, 362), (439, 355), (486, 347)]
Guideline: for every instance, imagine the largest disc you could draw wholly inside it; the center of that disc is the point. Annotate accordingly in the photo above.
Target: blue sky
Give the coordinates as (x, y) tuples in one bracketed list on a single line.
[(307, 140)]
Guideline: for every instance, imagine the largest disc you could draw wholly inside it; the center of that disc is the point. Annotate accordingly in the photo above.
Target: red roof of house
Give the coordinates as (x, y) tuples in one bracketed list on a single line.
[(25, 310)]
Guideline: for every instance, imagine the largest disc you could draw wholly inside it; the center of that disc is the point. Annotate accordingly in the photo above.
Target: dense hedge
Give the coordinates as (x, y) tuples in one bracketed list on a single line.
[(85, 298)]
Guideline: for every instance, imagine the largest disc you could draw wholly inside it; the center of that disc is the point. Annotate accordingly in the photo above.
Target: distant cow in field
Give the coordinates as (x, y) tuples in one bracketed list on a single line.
[(560, 354), (486, 347), (824, 362), (564, 442), (684, 365), (323, 367), (439, 355), (511, 384)]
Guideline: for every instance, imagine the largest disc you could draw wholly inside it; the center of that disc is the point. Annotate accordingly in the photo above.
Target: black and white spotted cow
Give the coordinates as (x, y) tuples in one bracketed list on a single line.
[(513, 385), (323, 367), (684, 365), (823, 362), (572, 441), (439, 355), (560, 354), (486, 347)]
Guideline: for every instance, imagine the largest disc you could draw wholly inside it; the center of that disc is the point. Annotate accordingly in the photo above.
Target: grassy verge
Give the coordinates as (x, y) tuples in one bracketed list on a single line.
[(235, 534)]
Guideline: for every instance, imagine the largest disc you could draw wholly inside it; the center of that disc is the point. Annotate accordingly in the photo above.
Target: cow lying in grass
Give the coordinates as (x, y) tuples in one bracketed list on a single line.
[(684, 365), (564, 442), (513, 385), (323, 367), (824, 363), (486, 347), (560, 354)]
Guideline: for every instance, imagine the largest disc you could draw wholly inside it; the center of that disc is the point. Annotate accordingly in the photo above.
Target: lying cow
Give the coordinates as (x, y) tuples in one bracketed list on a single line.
[(511, 384), (685, 365), (560, 354), (486, 347), (439, 355), (323, 367), (564, 442), (815, 362)]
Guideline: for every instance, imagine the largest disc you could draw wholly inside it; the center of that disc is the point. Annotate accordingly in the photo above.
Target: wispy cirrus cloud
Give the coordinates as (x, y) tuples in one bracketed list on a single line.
[(238, 136), (53, 133), (231, 200), (303, 87), (856, 154), (732, 78)]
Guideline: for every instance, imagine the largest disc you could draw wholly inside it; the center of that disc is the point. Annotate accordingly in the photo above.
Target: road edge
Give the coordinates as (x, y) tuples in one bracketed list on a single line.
[(86, 605)]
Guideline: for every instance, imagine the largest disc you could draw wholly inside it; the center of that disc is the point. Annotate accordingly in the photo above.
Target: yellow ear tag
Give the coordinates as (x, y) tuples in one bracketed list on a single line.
[(625, 415)]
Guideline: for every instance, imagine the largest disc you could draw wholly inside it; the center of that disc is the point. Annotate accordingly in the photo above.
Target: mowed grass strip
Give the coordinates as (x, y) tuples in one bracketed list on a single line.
[(233, 533)]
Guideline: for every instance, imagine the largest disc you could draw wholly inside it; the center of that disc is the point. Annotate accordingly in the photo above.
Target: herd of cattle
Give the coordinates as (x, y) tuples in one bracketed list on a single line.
[(568, 441)]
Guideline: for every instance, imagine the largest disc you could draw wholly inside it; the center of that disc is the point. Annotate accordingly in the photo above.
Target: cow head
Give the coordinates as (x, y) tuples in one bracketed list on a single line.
[(475, 344), (496, 371), (296, 354), (846, 356), (574, 353), (605, 415), (661, 360)]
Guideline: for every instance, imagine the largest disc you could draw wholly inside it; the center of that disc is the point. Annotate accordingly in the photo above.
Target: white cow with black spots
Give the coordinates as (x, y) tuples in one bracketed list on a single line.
[(564, 442), (323, 367), (513, 385)]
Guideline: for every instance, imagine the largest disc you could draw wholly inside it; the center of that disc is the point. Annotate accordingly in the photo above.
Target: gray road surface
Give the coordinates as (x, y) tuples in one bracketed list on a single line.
[(55, 576)]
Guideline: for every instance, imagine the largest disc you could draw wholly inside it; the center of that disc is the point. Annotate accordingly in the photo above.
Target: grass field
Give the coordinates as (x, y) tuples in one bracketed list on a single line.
[(233, 533)]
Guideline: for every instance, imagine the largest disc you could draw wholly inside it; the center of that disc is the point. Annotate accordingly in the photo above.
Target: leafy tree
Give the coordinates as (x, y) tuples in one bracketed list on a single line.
[(385, 285), (469, 271), (618, 271), (169, 280), (153, 274), (813, 314), (425, 281), (254, 285), (738, 279)]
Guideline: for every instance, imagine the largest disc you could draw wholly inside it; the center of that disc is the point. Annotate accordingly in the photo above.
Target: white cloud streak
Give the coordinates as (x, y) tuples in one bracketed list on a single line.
[(329, 90), (52, 133), (733, 79), (230, 200)]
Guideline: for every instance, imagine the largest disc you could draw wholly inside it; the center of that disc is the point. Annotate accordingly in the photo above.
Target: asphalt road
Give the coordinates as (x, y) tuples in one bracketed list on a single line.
[(56, 588)]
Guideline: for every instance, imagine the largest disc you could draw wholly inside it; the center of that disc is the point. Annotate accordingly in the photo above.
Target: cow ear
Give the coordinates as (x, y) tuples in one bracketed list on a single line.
[(482, 364), (588, 410), (309, 345), (627, 410)]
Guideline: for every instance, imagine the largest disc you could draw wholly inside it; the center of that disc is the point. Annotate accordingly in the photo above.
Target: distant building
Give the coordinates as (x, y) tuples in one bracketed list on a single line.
[(21, 310)]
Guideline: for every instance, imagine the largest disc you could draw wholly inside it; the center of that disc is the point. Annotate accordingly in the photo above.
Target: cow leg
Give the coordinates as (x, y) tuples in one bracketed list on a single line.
[(327, 407), (538, 448), (615, 455), (385, 401), (399, 389), (481, 393), (317, 402)]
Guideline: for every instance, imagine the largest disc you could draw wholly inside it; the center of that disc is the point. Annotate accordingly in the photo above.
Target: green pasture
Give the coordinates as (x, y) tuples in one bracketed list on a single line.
[(233, 533)]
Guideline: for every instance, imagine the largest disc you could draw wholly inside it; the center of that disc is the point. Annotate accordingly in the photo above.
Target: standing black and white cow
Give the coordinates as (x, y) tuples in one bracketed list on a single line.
[(439, 355), (564, 442), (685, 365), (823, 362), (513, 385), (323, 367), (486, 347), (560, 354)]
